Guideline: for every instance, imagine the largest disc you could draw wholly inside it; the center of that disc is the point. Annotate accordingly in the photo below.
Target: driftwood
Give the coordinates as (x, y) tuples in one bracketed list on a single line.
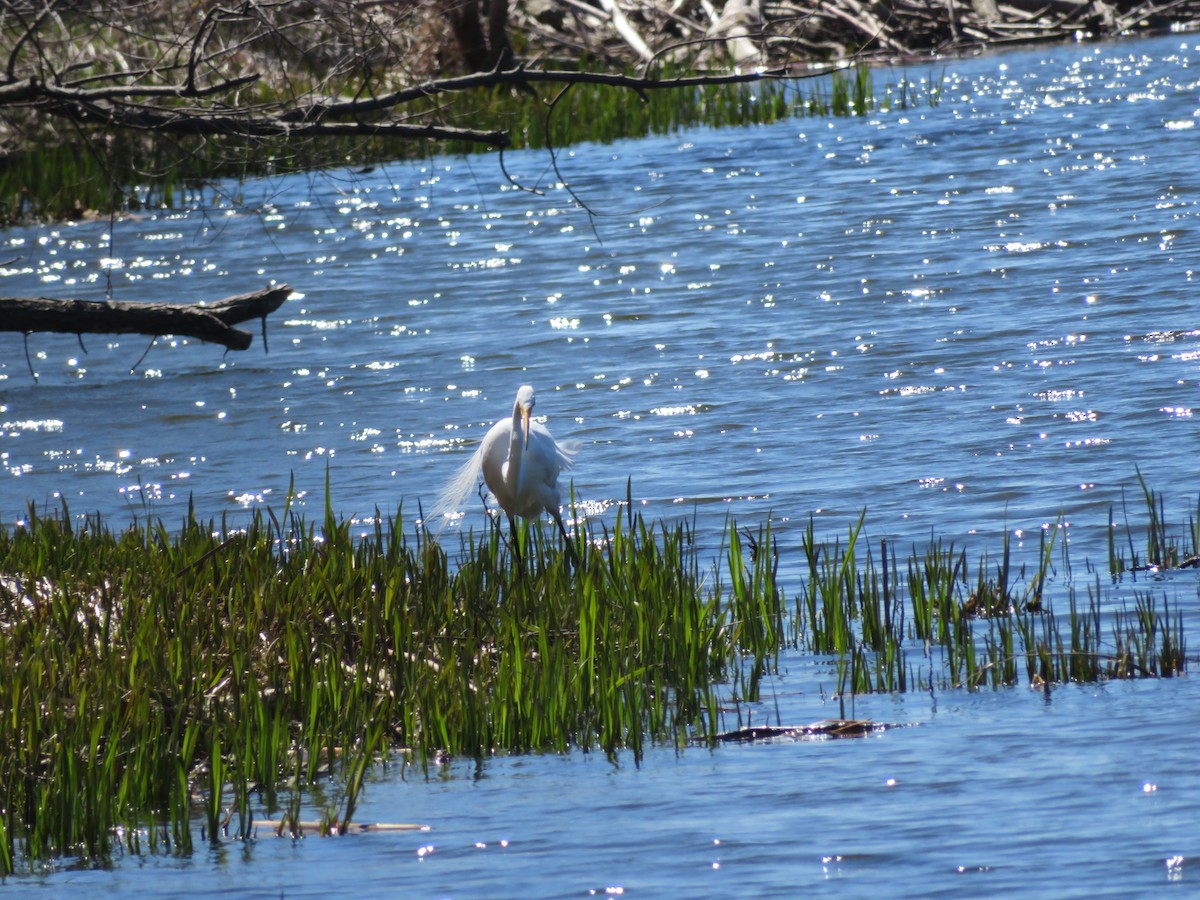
[(209, 67), (830, 728), (787, 34), (627, 32), (738, 25), (212, 322)]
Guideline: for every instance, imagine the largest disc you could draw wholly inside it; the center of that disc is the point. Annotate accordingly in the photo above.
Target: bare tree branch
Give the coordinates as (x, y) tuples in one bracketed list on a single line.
[(336, 68), (137, 106), (212, 323)]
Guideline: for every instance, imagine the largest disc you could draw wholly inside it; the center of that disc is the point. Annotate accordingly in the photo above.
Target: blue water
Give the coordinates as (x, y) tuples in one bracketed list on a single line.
[(1088, 793), (970, 318)]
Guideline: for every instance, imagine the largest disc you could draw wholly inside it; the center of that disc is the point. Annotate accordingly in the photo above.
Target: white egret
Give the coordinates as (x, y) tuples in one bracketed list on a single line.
[(520, 461)]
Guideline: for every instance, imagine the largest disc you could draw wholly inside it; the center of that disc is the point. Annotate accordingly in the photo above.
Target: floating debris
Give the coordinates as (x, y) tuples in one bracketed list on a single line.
[(830, 728), (273, 828)]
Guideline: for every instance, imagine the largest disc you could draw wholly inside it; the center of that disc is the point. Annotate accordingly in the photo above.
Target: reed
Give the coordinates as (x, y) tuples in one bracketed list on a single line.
[(152, 676), (973, 632), (830, 592), (882, 621), (1164, 548)]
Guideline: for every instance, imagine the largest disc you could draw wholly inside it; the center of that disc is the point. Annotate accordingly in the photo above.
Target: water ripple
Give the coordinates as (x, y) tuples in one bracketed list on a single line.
[(987, 302)]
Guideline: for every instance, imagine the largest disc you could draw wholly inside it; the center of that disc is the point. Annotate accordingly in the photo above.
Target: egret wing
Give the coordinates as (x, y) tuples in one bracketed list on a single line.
[(567, 451), (456, 490)]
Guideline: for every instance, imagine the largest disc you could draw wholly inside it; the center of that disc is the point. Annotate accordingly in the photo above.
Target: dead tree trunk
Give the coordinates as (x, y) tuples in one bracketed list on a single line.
[(212, 322), (480, 27)]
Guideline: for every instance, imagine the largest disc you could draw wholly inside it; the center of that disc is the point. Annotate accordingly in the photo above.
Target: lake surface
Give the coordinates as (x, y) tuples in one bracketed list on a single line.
[(968, 318)]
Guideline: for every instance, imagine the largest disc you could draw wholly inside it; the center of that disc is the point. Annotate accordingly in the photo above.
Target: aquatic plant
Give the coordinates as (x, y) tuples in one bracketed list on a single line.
[(101, 173), (152, 675), (1163, 548), (979, 631), (830, 592), (155, 678)]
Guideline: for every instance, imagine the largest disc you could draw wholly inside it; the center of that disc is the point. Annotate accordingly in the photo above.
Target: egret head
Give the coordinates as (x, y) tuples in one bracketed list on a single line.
[(525, 401)]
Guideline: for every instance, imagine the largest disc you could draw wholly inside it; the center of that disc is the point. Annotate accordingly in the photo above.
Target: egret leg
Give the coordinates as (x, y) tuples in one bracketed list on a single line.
[(516, 541), (562, 529)]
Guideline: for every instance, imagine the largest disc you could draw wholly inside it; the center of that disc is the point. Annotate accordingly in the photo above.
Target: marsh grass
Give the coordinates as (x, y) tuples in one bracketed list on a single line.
[(964, 630), (1165, 547), (155, 679), (152, 677)]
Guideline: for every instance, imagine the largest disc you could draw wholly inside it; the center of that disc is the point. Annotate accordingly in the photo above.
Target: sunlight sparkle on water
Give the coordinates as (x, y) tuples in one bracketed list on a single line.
[(794, 335)]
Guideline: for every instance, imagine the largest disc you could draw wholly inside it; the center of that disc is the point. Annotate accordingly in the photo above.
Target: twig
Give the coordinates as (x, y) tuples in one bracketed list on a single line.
[(28, 361), (145, 353)]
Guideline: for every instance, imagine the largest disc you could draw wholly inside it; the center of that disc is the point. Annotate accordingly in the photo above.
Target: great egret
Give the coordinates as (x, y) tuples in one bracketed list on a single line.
[(520, 461)]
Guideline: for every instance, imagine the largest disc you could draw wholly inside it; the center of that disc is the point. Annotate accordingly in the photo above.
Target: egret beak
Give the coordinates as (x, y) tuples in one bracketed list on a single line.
[(525, 411)]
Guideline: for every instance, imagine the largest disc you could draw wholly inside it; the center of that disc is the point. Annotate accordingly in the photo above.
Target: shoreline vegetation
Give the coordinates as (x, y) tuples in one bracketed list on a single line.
[(159, 676), (154, 679), (138, 171), (111, 109)]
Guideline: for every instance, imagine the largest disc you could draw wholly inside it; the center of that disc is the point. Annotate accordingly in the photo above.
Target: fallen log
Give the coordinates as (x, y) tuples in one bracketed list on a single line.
[(211, 322)]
